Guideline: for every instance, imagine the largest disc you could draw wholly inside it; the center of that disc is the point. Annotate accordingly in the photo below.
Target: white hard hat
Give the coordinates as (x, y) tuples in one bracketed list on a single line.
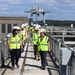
[(32, 24), (46, 24), (42, 30), (36, 28), (15, 27), (22, 26), (37, 25), (26, 24), (18, 28)]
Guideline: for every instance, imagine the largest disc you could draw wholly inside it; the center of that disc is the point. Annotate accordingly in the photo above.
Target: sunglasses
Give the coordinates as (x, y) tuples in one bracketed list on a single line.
[(15, 30)]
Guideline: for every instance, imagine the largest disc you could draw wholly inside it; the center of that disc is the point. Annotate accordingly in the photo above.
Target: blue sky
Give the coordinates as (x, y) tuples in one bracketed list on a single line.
[(60, 9)]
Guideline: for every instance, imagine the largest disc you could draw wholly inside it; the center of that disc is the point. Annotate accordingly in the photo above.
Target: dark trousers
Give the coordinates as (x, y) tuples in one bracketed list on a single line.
[(35, 50), (15, 54), (31, 34), (20, 52), (43, 58)]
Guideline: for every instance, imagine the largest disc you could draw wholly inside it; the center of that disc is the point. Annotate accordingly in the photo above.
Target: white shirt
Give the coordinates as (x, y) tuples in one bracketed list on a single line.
[(8, 36)]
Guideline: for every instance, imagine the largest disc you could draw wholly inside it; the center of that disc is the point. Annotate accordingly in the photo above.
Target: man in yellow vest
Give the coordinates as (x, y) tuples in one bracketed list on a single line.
[(43, 47), (31, 28), (35, 39), (14, 44)]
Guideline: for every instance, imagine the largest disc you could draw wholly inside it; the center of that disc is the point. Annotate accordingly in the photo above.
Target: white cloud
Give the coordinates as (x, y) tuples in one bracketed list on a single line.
[(42, 2), (1, 12), (55, 6), (3, 7), (11, 1)]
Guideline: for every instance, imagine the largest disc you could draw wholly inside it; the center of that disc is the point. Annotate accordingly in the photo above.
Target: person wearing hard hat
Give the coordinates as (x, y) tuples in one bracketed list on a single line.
[(14, 44), (23, 34), (31, 30), (9, 34), (35, 39), (20, 35), (26, 24), (43, 47), (26, 29)]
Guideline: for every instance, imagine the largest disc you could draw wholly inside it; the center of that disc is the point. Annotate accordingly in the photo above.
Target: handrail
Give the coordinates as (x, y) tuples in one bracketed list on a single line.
[(24, 61), (61, 31), (59, 40), (56, 45), (4, 52)]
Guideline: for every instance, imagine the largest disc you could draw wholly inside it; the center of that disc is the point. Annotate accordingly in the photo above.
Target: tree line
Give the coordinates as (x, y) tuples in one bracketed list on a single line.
[(58, 23)]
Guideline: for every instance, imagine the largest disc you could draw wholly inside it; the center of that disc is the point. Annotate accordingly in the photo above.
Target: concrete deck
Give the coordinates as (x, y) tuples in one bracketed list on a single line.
[(32, 66)]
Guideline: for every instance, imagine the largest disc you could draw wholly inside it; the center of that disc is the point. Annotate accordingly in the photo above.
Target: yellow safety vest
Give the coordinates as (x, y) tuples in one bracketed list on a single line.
[(27, 28), (39, 33), (23, 34), (15, 42), (31, 28), (20, 35), (43, 45), (35, 38)]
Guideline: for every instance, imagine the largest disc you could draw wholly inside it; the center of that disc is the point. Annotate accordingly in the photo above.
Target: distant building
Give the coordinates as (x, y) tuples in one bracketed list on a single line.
[(6, 24)]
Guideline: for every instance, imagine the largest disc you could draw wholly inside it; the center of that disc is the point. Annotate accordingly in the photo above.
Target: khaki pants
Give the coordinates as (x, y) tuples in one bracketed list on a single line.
[(36, 53)]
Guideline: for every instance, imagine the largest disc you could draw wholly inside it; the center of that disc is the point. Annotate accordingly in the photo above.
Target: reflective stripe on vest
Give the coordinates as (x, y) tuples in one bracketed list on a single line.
[(43, 45), (15, 42)]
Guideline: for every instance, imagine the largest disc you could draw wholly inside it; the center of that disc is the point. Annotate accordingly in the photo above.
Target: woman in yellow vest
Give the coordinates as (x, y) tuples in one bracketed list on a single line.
[(43, 47), (20, 35), (23, 34), (14, 44)]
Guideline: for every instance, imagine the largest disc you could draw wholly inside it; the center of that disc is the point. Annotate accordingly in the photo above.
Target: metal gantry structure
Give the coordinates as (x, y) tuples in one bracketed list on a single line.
[(36, 10)]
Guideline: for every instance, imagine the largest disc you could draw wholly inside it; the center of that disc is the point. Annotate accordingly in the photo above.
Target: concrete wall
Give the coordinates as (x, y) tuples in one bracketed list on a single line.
[(11, 20)]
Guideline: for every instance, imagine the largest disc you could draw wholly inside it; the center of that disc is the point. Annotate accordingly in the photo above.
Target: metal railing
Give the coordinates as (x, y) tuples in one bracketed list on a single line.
[(24, 61), (4, 52), (56, 45), (62, 34)]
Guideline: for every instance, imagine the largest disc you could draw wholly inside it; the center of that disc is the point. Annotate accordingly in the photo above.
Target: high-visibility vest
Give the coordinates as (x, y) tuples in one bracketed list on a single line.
[(15, 42), (24, 37), (35, 38), (23, 34), (20, 35), (43, 45), (31, 28), (27, 28), (39, 33)]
